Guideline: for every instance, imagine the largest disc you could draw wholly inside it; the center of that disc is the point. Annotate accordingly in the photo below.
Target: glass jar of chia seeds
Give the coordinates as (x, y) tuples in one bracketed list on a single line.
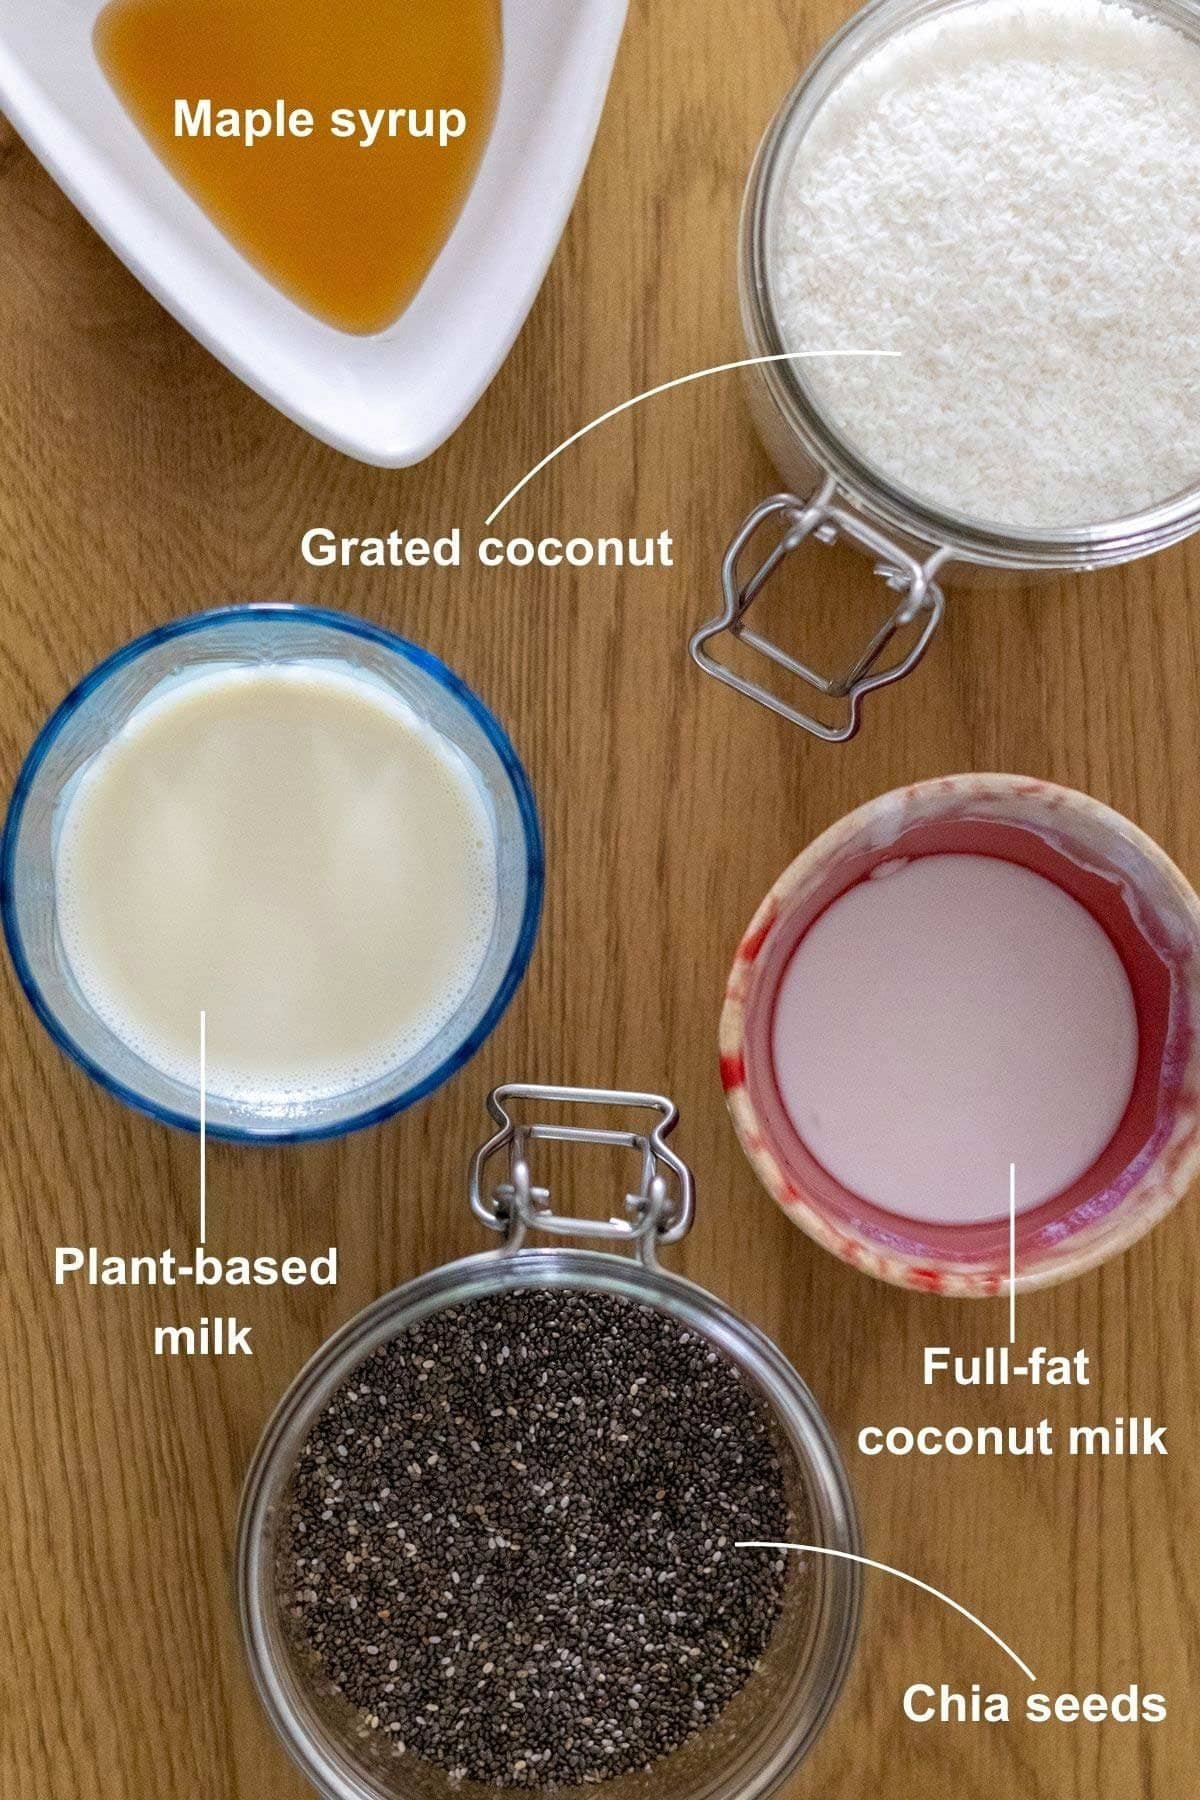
[(785, 1693), (836, 491)]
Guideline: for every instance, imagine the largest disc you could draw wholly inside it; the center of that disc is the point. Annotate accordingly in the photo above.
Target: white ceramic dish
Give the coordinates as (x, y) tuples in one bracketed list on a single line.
[(390, 399)]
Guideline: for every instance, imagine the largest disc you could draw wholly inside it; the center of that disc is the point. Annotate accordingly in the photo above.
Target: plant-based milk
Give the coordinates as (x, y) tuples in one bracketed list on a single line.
[(291, 850)]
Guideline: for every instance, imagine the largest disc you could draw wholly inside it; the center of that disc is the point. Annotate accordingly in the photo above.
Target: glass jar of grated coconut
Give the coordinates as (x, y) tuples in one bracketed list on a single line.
[(970, 264), (520, 1525)]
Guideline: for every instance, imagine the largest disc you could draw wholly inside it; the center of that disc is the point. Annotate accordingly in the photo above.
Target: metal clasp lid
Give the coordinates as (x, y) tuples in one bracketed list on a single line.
[(825, 519), (658, 1212)]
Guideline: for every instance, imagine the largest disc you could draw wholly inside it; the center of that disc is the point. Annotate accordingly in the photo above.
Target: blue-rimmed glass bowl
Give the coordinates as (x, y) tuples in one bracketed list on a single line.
[(97, 710)]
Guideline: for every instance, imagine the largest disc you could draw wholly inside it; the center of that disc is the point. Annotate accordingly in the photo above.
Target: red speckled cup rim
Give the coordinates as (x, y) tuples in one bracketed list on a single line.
[(1151, 915)]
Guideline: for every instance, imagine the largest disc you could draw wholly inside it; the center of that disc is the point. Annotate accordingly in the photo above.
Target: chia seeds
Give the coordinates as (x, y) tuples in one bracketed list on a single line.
[(510, 1539)]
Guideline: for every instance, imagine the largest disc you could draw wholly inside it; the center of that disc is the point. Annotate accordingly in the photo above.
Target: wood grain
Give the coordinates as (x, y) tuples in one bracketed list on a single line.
[(138, 480)]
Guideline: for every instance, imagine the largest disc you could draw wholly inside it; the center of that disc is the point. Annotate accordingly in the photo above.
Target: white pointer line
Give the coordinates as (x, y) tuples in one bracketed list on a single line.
[(203, 1130), (886, 1569), (1012, 1253), (746, 362)]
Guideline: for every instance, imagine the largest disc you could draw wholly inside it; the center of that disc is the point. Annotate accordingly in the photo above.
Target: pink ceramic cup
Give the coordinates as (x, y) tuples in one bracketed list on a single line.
[(1152, 916)]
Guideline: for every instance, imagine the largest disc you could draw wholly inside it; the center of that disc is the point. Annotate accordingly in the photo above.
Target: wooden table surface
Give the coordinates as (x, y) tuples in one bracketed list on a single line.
[(138, 481)]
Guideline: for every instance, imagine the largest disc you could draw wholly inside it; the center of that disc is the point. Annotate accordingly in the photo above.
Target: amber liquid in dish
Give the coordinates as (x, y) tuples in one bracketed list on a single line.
[(347, 232)]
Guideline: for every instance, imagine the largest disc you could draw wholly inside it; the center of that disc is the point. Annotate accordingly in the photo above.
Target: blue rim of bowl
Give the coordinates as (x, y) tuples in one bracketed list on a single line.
[(354, 627)]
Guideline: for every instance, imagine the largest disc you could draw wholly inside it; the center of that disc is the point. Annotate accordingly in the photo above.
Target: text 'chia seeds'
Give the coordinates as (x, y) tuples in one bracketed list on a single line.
[(511, 1538)]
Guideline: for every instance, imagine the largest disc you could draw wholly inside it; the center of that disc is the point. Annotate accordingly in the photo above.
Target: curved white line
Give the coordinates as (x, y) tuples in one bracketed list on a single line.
[(886, 1569), (746, 362)]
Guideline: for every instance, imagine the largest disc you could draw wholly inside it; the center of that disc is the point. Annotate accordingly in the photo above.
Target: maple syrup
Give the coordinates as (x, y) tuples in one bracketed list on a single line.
[(347, 228)]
